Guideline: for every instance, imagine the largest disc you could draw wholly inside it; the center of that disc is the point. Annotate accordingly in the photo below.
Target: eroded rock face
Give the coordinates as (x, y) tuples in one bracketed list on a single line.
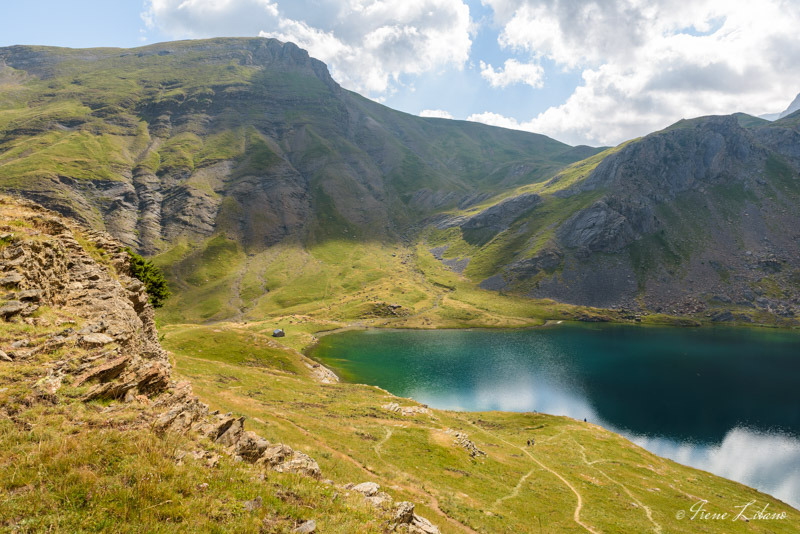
[(602, 228), (653, 171), (116, 351), (498, 217), (546, 260), (494, 219), (113, 345), (704, 151), (48, 266)]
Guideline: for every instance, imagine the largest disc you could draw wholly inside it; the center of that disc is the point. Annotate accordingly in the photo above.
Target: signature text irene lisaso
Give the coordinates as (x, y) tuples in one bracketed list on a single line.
[(750, 511)]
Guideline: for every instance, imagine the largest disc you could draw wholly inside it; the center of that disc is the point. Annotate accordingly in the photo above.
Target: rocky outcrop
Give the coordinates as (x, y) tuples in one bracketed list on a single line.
[(494, 219), (116, 351), (689, 154), (403, 517), (602, 228), (113, 350), (98, 341), (547, 260), (460, 439), (499, 216), (409, 411)]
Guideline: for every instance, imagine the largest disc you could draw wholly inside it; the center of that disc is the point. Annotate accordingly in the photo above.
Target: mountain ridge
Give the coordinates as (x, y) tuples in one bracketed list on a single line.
[(279, 133), (234, 149), (794, 106)]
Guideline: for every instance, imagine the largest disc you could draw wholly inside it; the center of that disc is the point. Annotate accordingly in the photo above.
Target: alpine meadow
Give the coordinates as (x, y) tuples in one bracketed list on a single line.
[(207, 244)]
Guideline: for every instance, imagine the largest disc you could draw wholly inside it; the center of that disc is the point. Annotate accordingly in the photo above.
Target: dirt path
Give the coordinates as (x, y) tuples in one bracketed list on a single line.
[(648, 512), (576, 516), (433, 502), (516, 489), (381, 442)]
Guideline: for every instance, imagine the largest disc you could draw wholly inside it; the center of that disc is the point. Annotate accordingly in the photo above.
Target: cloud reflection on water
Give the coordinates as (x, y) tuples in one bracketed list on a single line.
[(763, 460)]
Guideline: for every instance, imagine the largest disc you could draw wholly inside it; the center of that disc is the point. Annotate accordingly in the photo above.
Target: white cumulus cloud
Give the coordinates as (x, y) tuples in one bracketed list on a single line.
[(513, 72), (645, 65), (437, 113), (368, 44), (495, 119)]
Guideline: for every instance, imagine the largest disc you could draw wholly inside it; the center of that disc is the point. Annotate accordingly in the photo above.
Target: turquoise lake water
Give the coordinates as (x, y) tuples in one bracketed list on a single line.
[(721, 399)]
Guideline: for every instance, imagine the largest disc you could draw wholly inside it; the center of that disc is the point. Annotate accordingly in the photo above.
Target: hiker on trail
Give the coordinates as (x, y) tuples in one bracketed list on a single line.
[(584, 419), (529, 443)]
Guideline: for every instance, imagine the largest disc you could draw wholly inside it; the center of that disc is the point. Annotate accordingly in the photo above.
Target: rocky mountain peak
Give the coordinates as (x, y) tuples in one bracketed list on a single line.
[(794, 106)]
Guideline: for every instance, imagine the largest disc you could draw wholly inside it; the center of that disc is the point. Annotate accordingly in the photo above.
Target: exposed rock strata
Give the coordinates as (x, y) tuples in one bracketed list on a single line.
[(109, 346)]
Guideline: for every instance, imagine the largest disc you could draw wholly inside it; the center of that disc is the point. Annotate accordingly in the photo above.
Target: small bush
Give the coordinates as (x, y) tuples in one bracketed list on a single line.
[(151, 276)]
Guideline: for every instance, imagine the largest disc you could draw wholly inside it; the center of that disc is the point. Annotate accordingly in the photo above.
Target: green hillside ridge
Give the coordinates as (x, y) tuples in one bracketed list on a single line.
[(170, 130), (248, 150)]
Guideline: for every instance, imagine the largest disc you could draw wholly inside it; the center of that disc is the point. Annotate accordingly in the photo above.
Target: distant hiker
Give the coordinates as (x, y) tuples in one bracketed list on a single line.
[(529, 443), (584, 419), (533, 441)]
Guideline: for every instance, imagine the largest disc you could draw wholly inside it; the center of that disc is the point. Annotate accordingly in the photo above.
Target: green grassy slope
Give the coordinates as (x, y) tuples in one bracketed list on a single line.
[(577, 478), (68, 464)]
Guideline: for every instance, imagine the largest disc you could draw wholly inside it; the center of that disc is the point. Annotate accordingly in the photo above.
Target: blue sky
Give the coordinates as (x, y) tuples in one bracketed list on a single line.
[(595, 72), (76, 24)]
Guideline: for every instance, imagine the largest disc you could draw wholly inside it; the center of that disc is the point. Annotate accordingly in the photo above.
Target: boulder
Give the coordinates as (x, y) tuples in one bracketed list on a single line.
[(301, 464), (104, 372), (722, 317), (403, 512), (11, 279), (230, 436), (11, 308), (182, 416), (30, 295), (307, 527), (276, 454), (420, 525), (367, 488), (379, 500), (253, 505), (96, 340), (251, 446)]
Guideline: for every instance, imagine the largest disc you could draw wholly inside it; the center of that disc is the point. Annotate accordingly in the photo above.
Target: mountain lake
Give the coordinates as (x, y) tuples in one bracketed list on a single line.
[(725, 400)]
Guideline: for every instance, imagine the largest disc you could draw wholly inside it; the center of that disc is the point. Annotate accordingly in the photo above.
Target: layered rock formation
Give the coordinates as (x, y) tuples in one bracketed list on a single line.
[(91, 330)]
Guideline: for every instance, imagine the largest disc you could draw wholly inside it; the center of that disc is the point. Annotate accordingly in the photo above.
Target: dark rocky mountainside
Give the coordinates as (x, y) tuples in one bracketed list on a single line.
[(699, 218)]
